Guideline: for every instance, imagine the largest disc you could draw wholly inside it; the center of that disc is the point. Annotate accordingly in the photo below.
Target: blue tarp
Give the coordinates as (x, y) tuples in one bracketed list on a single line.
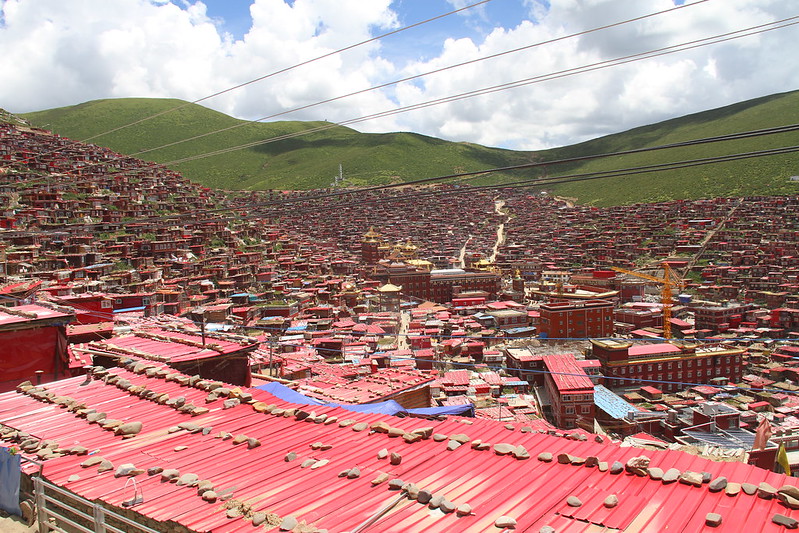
[(9, 482), (287, 394), (389, 407)]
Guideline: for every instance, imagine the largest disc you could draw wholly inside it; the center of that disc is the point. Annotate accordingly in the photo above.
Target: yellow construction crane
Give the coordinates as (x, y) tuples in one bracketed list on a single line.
[(667, 282)]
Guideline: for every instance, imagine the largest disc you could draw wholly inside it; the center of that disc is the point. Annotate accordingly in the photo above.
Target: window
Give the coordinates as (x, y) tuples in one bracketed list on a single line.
[(569, 410), (585, 409), (679, 364), (106, 304)]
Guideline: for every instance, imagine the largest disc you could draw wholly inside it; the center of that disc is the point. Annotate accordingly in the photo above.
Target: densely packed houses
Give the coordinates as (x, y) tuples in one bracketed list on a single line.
[(435, 286)]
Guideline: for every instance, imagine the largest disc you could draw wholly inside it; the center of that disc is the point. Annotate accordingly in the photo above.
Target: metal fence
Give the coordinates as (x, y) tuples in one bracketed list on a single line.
[(62, 511)]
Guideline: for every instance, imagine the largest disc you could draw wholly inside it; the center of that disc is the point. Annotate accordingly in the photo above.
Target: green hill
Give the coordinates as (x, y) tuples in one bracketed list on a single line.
[(756, 176), (306, 161), (310, 160)]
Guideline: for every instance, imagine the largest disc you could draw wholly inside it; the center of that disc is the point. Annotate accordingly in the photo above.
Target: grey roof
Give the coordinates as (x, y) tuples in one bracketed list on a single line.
[(724, 438), (612, 403)]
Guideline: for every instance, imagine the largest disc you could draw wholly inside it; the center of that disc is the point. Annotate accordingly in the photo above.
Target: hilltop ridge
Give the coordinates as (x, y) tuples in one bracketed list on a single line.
[(311, 160)]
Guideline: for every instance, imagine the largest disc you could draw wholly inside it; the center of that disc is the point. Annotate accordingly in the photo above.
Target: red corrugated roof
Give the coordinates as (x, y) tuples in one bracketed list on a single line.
[(531, 491), (366, 389), (567, 374), (28, 313), (169, 345)]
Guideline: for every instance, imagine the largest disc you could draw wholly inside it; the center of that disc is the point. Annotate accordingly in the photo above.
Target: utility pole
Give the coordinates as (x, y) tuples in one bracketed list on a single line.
[(199, 314), (271, 352)]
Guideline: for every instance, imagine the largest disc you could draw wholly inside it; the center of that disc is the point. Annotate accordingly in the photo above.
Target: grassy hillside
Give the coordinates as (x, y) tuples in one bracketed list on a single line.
[(756, 176), (307, 161), (311, 160)]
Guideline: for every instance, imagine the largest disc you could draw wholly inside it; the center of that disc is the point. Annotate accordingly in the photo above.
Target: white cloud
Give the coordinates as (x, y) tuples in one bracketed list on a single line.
[(580, 107), (58, 53)]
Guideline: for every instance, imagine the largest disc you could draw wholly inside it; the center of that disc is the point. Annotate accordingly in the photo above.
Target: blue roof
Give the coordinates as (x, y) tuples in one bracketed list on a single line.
[(612, 403), (524, 329)]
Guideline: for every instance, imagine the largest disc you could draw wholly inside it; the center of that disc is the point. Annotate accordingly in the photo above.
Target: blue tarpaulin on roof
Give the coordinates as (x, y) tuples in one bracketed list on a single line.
[(287, 394), (389, 407)]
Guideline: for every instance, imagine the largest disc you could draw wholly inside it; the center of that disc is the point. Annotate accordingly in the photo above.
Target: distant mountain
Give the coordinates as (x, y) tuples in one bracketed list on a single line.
[(311, 160)]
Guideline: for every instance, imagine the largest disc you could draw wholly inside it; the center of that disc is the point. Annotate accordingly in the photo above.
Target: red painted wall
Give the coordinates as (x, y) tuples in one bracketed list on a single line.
[(28, 350)]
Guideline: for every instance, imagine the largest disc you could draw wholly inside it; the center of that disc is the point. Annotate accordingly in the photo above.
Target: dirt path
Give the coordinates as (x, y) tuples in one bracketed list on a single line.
[(710, 234), (498, 205), (569, 201), (402, 337), (462, 255)]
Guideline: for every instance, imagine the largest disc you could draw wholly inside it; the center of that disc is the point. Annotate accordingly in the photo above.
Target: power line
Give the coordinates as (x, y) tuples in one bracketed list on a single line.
[(282, 71), (301, 64), (421, 75), (510, 85), (536, 371), (491, 170), (534, 182), (753, 30)]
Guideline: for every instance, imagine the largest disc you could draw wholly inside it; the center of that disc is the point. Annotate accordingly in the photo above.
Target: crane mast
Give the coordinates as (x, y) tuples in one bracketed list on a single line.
[(667, 283)]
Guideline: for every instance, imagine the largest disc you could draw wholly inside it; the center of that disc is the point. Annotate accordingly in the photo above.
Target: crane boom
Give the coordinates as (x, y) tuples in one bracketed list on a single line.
[(667, 282)]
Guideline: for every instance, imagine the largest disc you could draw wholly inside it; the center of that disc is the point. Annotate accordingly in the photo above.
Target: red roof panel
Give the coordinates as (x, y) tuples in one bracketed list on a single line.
[(531, 491), (566, 373)]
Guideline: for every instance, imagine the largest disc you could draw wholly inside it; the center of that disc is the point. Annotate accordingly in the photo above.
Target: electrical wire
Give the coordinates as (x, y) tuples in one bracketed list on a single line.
[(754, 30), (421, 75), (644, 55), (285, 202), (282, 71)]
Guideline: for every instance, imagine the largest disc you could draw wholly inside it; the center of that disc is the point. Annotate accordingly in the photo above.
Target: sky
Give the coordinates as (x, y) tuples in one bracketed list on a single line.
[(562, 87)]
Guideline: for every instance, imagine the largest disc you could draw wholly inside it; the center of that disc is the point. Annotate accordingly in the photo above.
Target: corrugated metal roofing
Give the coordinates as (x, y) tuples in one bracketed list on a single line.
[(28, 313), (566, 373), (533, 492), (612, 403), (170, 346)]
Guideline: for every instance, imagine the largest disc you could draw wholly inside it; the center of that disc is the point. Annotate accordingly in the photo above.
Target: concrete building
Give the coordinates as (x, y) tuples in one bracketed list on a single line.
[(674, 367), (570, 390), (592, 318)]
